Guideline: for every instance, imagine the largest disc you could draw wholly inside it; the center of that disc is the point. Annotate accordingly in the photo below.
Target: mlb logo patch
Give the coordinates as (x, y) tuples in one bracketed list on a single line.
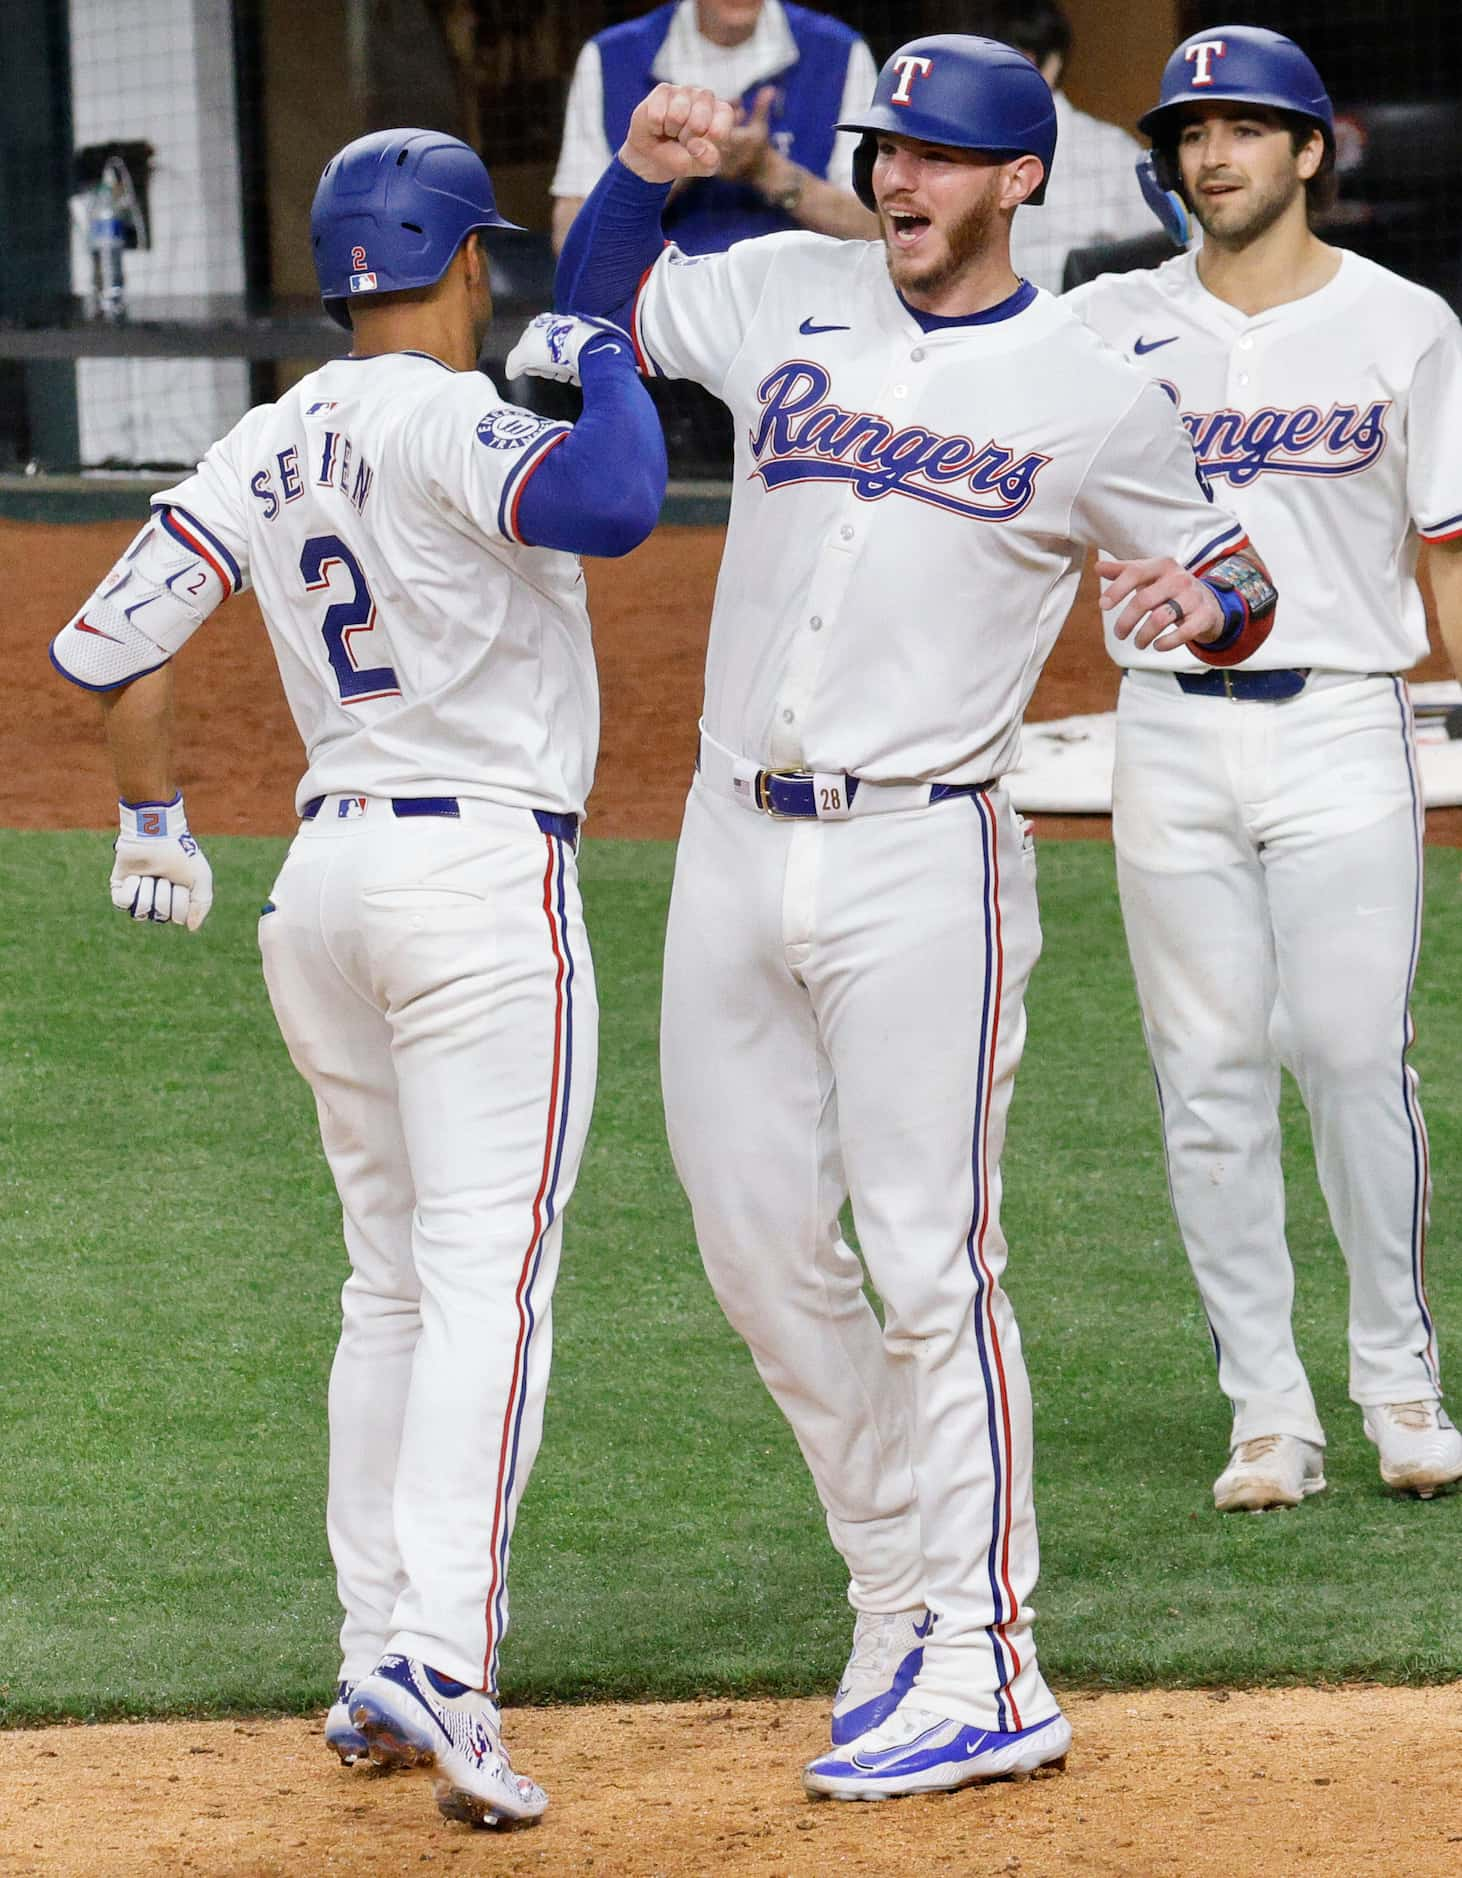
[(362, 283), (350, 807)]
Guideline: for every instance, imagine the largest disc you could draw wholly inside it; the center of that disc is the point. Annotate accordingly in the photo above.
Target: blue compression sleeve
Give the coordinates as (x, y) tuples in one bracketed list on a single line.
[(615, 239), (600, 490)]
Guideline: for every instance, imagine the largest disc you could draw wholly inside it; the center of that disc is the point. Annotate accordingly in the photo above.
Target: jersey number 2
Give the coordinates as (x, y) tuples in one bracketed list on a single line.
[(344, 619)]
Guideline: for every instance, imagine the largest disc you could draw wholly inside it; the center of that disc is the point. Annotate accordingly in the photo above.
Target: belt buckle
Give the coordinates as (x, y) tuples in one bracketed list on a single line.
[(761, 795), (1228, 684)]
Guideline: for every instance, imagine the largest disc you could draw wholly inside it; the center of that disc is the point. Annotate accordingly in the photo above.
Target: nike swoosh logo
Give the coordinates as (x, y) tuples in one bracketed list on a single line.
[(810, 326), (922, 1630), (82, 626), (1151, 345)]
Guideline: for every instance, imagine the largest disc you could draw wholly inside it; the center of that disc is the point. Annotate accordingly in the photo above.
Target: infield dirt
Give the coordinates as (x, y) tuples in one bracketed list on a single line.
[(1344, 1783), (239, 756), (1350, 1783)]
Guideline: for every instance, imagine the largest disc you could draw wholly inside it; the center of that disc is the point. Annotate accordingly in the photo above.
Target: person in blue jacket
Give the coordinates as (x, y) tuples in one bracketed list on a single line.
[(793, 74)]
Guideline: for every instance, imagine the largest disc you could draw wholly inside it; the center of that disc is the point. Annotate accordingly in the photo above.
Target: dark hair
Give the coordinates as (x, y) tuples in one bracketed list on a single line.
[(1035, 27), (1324, 186)]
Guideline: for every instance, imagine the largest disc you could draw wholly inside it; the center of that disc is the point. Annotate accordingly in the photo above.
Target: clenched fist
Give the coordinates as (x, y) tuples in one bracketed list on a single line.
[(677, 133)]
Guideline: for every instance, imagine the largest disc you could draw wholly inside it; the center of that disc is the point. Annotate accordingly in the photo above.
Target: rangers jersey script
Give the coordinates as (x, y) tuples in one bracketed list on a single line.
[(1329, 425), (468, 674), (989, 450)]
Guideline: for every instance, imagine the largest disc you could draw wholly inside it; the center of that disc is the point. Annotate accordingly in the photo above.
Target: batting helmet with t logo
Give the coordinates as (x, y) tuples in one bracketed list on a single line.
[(391, 210), (1238, 65), (1225, 65), (964, 92)]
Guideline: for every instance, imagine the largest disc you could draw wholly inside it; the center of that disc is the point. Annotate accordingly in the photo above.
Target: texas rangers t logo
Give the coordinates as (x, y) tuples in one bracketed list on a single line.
[(909, 68), (1201, 58)]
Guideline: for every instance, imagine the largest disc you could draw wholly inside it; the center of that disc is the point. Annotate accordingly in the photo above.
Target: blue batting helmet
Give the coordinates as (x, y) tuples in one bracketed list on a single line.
[(968, 93), (391, 210), (1242, 65)]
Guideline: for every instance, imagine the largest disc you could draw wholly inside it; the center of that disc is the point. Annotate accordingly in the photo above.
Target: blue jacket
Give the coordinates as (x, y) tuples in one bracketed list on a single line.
[(709, 215)]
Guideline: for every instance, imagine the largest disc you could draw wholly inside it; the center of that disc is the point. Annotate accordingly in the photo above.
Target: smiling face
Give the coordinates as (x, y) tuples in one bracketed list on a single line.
[(943, 212), (1241, 172)]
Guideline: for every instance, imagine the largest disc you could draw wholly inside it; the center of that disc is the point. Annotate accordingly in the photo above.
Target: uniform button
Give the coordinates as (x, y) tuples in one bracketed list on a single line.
[(846, 532), (917, 355), (901, 391), (1243, 378), (1246, 344), (816, 622), (787, 716)]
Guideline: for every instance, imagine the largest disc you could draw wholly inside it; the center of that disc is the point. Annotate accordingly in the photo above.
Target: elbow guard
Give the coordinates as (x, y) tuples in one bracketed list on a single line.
[(152, 601), (1242, 586)]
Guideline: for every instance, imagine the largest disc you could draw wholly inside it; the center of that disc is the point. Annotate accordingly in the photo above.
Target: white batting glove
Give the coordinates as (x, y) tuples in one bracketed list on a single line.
[(160, 873), (553, 344)]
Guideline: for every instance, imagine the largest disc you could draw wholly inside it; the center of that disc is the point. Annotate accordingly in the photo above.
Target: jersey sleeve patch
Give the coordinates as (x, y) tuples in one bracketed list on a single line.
[(508, 428)]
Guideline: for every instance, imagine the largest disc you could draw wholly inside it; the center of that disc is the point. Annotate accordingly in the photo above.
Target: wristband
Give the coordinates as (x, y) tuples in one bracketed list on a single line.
[(153, 821), (1235, 616)]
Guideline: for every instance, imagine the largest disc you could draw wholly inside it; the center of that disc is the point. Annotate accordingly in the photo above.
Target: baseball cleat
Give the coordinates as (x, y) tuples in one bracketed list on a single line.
[(917, 1751), (888, 1650), (1420, 1449), (411, 1716), (341, 1733), (1270, 1470)]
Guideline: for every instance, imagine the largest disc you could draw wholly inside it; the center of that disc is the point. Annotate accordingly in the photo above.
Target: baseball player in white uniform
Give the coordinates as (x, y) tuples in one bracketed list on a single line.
[(925, 444), (413, 544), (1268, 827)]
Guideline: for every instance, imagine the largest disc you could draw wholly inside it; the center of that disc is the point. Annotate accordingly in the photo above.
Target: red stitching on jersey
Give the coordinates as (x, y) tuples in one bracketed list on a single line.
[(500, 1507), (526, 475), (642, 358), (1001, 1625), (198, 548)]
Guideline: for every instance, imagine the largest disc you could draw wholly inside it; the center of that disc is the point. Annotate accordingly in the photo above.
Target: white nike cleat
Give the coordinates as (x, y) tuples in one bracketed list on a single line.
[(341, 1733), (917, 1751), (1420, 1449), (412, 1716), (888, 1650), (1270, 1470)]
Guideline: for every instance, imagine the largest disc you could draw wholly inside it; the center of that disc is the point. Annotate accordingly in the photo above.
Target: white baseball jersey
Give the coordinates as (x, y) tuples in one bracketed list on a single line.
[(1329, 425), (1092, 197), (911, 509), (424, 649)]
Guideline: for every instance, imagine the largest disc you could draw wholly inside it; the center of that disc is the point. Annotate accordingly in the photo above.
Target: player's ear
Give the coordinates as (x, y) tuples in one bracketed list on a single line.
[(1021, 180), (1311, 155)]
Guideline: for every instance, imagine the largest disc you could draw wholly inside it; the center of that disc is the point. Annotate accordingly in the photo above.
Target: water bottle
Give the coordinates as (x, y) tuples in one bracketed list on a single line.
[(107, 237)]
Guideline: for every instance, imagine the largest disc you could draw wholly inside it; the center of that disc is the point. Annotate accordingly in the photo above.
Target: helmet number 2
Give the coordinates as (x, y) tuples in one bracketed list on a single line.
[(326, 563)]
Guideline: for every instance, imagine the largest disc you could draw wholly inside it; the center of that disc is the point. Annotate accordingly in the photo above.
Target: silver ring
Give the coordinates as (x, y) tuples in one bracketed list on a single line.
[(1177, 610)]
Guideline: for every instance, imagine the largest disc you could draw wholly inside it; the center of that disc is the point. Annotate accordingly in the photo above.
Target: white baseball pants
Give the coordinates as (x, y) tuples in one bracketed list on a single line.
[(433, 983), (1269, 859), (843, 1015)]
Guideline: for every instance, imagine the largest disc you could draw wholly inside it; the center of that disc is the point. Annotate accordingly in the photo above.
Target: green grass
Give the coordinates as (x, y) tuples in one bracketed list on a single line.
[(171, 1259)]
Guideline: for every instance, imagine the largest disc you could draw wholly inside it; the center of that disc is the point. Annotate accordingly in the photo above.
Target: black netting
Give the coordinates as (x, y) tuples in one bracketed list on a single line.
[(159, 156)]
